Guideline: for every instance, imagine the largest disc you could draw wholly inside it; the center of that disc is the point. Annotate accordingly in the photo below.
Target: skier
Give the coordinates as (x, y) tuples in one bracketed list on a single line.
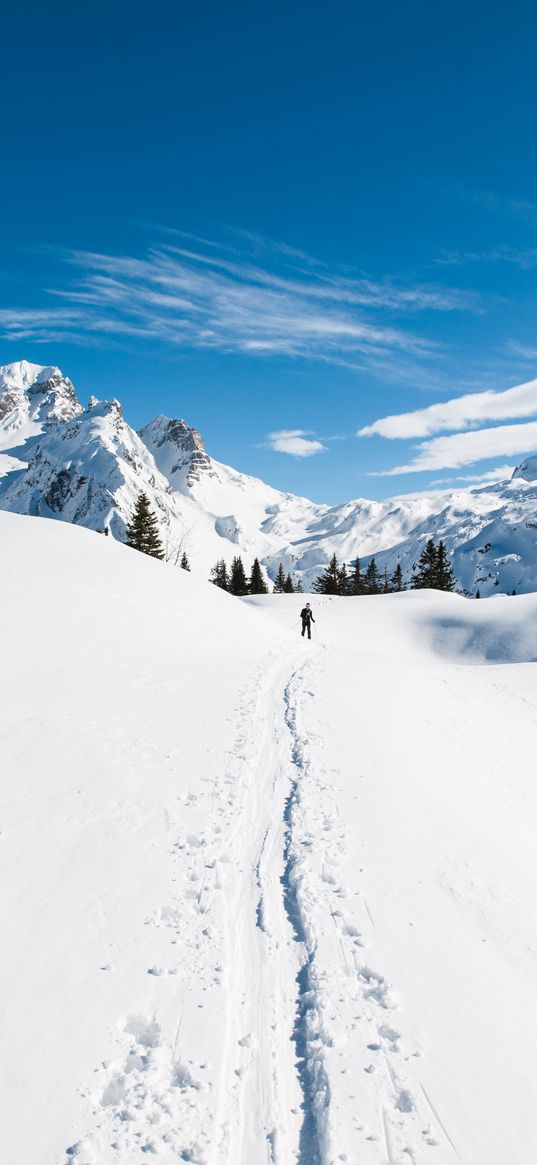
[(306, 615)]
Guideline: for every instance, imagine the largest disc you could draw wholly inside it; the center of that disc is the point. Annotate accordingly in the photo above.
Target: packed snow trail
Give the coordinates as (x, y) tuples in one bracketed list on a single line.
[(261, 897)]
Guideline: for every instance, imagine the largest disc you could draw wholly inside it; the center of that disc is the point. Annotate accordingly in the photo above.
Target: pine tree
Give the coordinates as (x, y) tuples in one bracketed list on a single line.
[(397, 583), (299, 589), (185, 565), (343, 581), (426, 572), (279, 585), (372, 580), (445, 579), (434, 569), (237, 583), (386, 584), (256, 583), (478, 594), (219, 575), (142, 530), (327, 582), (288, 588), (356, 580)]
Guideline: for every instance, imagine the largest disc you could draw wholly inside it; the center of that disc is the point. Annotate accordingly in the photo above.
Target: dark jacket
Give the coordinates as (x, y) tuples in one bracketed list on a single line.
[(306, 615)]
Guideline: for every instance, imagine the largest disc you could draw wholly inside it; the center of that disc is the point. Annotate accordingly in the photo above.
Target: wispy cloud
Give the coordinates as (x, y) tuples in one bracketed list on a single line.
[(296, 442), (500, 204), (524, 257), (501, 473), (259, 299), (524, 351), (467, 448), (461, 412)]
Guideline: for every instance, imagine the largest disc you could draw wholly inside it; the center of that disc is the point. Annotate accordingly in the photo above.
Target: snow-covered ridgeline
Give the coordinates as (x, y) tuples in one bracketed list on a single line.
[(87, 465)]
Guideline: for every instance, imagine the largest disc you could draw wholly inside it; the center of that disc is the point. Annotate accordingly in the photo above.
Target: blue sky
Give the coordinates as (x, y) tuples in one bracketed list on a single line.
[(284, 222)]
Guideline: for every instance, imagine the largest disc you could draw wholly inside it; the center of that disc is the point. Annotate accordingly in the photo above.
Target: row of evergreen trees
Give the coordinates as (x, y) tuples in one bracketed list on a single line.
[(337, 580), (433, 568), (236, 582)]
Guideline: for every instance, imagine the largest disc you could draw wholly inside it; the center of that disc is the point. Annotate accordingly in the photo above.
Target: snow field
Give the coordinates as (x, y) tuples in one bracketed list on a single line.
[(430, 767), (264, 901)]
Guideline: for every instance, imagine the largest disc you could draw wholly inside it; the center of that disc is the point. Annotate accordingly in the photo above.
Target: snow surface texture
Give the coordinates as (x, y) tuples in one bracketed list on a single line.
[(87, 466), (264, 900)]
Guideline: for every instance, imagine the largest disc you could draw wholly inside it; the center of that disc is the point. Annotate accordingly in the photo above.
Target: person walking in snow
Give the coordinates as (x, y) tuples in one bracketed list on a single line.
[(306, 615)]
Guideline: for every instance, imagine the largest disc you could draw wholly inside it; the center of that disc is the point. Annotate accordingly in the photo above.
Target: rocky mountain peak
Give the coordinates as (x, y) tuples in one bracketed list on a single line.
[(178, 449), (35, 392)]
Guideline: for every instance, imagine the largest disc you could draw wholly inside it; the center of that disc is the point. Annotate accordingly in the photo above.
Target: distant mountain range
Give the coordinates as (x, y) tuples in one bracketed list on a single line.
[(87, 466)]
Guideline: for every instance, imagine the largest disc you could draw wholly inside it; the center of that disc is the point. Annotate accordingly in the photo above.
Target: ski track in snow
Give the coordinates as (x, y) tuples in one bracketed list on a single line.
[(361, 1091), (313, 1069)]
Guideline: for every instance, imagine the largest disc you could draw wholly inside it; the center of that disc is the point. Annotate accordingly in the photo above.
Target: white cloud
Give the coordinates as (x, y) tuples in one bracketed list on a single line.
[(460, 413), (296, 442), (502, 473), (466, 448), (265, 301)]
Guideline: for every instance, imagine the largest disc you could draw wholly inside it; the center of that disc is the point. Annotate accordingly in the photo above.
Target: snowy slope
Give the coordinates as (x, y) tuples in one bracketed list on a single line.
[(126, 741), (490, 533), (87, 466), (224, 512), (267, 901)]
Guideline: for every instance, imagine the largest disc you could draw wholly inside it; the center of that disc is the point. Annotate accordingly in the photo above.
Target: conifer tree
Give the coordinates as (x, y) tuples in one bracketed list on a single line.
[(478, 594), (237, 583), (343, 581), (299, 589), (434, 569), (445, 579), (356, 580), (185, 565), (256, 583), (279, 584), (219, 575), (142, 530), (426, 572), (397, 583), (372, 580), (288, 588), (386, 585), (327, 582)]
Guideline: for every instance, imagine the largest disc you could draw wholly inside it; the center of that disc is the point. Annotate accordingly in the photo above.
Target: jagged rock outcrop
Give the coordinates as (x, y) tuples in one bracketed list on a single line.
[(179, 451), (32, 393)]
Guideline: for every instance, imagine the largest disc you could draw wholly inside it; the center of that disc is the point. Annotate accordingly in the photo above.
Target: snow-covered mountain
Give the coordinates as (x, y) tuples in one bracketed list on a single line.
[(224, 512), (87, 466), (84, 466), (490, 533), (32, 397)]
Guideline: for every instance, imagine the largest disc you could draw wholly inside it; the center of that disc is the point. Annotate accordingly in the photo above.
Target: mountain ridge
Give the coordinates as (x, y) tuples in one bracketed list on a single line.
[(87, 466)]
